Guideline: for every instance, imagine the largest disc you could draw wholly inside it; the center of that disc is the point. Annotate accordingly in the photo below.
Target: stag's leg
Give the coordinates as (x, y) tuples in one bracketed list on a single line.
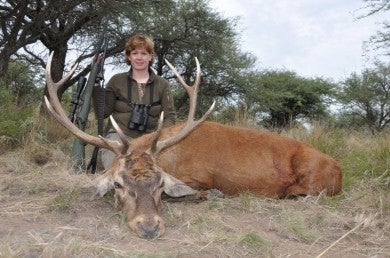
[(197, 197)]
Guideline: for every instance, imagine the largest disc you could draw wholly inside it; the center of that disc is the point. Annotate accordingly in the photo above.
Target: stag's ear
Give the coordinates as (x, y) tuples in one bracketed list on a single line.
[(176, 188)]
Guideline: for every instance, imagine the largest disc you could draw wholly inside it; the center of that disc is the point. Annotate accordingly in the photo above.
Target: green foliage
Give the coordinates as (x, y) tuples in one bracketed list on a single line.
[(367, 160), (15, 122), (6, 97), (18, 93), (283, 97), (23, 83), (183, 30), (327, 141), (361, 155), (236, 115), (366, 99)]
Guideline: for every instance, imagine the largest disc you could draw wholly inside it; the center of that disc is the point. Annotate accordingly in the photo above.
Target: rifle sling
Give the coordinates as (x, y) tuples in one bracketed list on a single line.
[(100, 111)]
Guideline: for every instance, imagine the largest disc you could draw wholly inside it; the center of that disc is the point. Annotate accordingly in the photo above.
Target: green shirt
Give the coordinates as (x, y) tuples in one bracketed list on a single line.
[(117, 104)]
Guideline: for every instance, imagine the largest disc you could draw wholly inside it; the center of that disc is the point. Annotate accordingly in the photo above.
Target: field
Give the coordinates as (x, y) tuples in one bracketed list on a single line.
[(45, 211)]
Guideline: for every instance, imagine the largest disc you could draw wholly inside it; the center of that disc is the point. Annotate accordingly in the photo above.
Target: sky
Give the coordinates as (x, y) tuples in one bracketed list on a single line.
[(314, 38)]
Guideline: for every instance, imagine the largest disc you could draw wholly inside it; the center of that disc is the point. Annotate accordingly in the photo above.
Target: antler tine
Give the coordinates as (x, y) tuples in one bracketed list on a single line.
[(190, 124), (154, 146), (55, 108), (53, 88), (122, 136), (49, 80), (191, 91)]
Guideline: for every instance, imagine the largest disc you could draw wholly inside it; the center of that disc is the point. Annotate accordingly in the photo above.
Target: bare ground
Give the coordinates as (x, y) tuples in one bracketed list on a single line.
[(45, 213)]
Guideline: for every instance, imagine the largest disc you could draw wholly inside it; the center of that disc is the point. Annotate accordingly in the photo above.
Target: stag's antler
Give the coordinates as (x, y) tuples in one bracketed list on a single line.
[(55, 108), (190, 124)]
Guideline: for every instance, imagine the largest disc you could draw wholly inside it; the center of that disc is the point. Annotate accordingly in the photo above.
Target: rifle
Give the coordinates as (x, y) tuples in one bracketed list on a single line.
[(76, 97), (96, 76)]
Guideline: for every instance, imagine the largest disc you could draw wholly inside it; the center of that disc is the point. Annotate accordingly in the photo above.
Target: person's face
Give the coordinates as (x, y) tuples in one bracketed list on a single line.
[(140, 58)]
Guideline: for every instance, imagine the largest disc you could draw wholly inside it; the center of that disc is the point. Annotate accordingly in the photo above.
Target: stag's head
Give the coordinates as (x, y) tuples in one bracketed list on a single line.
[(135, 175)]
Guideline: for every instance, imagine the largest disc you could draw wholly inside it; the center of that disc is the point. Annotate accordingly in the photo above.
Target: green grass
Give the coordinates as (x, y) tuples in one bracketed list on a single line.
[(246, 201), (241, 226), (369, 160), (64, 201), (300, 228), (362, 156), (16, 123), (253, 239)]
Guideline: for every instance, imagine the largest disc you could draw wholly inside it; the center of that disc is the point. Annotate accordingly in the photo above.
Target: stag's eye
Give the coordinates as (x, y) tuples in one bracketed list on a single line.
[(117, 185)]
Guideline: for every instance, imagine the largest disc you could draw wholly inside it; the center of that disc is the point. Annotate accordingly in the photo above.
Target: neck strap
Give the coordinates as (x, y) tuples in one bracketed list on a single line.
[(129, 95)]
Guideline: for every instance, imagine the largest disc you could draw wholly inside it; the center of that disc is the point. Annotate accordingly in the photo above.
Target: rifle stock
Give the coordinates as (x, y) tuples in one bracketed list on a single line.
[(78, 149)]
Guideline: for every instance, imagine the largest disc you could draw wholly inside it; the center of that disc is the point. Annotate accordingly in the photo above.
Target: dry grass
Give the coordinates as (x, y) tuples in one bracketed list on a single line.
[(45, 213)]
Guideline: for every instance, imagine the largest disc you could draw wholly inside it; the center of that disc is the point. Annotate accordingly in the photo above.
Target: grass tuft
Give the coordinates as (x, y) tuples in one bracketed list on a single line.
[(253, 239), (64, 202), (246, 201)]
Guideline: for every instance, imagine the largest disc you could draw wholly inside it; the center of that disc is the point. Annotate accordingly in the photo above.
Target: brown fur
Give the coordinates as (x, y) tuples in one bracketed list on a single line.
[(214, 156), (233, 159), (138, 193)]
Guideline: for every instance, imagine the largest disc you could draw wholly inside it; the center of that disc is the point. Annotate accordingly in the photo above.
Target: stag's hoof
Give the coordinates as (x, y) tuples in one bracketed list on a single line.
[(214, 193)]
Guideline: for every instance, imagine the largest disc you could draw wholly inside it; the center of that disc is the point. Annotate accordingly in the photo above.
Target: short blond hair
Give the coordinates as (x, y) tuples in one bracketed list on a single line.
[(137, 41)]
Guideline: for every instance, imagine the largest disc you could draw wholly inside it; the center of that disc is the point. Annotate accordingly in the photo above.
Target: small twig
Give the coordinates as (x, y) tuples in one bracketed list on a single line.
[(209, 243), (338, 240)]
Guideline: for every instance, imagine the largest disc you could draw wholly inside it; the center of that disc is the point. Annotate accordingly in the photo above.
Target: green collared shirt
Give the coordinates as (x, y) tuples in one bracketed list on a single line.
[(117, 103)]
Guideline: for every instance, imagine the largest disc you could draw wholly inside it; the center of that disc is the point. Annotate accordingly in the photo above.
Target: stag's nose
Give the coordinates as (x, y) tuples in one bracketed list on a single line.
[(148, 230), (148, 227)]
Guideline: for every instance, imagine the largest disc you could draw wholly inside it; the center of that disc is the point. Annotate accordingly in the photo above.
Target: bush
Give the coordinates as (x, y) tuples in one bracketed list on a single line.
[(15, 122)]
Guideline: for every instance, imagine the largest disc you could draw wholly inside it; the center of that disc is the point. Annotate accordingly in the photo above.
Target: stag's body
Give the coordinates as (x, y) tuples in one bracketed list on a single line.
[(235, 159), (200, 155)]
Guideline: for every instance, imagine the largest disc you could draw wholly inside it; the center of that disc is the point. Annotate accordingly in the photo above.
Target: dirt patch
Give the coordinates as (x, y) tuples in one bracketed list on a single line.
[(44, 214)]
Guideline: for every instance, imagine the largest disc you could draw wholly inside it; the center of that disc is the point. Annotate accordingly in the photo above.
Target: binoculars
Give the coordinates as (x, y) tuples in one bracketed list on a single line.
[(139, 117)]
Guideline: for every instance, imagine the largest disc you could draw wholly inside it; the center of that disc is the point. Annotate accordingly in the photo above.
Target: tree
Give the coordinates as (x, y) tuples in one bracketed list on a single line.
[(181, 29), (280, 98), (381, 40), (367, 96), (71, 27), (15, 32), (184, 30)]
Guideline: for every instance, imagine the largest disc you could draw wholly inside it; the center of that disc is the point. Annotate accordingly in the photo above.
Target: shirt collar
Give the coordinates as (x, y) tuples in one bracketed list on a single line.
[(152, 75)]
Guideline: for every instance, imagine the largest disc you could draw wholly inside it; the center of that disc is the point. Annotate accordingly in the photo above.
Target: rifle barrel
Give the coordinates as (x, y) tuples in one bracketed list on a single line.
[(76, 97)]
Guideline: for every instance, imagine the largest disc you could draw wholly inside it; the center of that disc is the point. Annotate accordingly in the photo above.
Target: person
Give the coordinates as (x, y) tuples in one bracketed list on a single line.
[(130, 95)]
